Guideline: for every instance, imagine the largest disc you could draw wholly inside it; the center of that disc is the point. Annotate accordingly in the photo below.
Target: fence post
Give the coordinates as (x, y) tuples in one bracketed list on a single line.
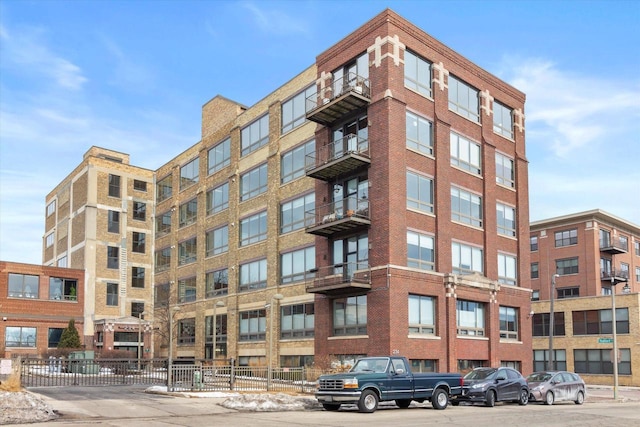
[(232, 373)]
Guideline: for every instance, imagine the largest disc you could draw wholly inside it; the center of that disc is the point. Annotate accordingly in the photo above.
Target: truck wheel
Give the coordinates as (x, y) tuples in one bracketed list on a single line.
[(439, 399), (403, 403), (368, 402), (491, 399), (331, 406)]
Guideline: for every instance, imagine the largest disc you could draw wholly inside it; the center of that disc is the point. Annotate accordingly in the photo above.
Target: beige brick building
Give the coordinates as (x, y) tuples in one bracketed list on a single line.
[(587, 250)]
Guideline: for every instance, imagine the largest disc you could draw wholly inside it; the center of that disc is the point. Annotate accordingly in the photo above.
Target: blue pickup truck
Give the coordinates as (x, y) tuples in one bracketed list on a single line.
[(377, 379)]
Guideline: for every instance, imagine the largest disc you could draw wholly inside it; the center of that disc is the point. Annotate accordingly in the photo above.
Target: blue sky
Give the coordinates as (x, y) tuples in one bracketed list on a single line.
[(132, 76)]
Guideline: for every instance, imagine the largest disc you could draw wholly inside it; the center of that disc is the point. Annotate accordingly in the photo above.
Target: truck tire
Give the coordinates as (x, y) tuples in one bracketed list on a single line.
[(368, 402), (439, 399), (331, 406), (403, 403)]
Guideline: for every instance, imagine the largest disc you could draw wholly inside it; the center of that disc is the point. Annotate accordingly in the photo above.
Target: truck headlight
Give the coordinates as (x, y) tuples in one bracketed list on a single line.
[(351, 383)]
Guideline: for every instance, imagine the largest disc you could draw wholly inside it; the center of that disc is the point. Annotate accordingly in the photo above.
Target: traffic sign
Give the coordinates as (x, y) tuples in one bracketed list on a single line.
[(605, 340)]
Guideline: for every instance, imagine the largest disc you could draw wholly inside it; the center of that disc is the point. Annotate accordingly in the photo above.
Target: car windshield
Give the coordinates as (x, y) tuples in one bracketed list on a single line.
[(371, 365), (538, 377), (480, 374)]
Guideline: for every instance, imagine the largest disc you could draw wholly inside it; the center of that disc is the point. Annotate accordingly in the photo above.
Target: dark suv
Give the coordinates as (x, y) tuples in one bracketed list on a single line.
[(491, 385)]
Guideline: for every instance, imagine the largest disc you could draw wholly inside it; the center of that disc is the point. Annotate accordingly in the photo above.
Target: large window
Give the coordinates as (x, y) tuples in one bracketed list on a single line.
[(24, 286), (507, 269), (509, 323), (164, 189), (505, 172), (294, 110), (163, 224), (570, 292), (187, 331), (419, 134), (541, 360), (466, 207), (470, 315), (293, 163), (18, 336), (351, 254), (220, 336), (295, 265), (139, 185), (51, 208), (600, 322), (567, 266), (189, 173), (187, 251), (598, 361), (419, 192), (138, 242), (465, 154), (217, 283), (466, 259), (253, 229), (161, 293), (113, 257), (297, 321), (218, 199), (254, 182), (463, 99), (217, 241), (292, 213), (137, 277), (50, 240), (506, 219), (350, 316), (187, 290), (139, 211), (255, 135), (137, 308), (114, 186), (219, 156), (253, 325), (113, 222), (422, 317), (63, 289), (566, 238), (188, 213), (253, 275), (54, 337), (112, 294), (502, 120), (541, 324), (417, 73), (420, 251), (163, 259)]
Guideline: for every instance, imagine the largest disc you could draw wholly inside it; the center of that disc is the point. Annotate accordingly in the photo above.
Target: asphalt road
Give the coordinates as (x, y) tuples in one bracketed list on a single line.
[(131, 406)]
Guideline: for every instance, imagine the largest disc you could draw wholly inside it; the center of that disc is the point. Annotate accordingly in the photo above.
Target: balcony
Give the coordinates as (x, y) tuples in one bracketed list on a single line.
[(348, 214), (339, 157), (341, 280), (344, 97), (614, 276), (613, 247)]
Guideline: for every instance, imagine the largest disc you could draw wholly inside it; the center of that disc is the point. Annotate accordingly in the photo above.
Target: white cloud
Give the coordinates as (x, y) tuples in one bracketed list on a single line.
[(275, 21)]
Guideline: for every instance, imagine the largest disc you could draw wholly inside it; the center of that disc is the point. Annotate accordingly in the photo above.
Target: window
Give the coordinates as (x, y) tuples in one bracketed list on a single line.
[(572, 292), (163, 189), (566, 238), (219, 156), (253, 229), (113, 222), (50, 240), (567, 266), (187, 331), (114, 186), (163, 259), (605, 238), (293, 163), (505, 173), (502, 120), (419, 134), (535, 274), (465, 154), (139, 185), (350, 316), (506, 220), (188, 213), (541, 324), (187, 290), (137, 308), (163, 224), (638, 274), (295, 265), (253, 325), (417, 73), (470, 315), (598, 361), (292, 213), (600, 322), (419, 192), (51, 208), (253, 182), (350, 254), (189, 173), (217, 241), (624, 242), (255, 135), (253, 275), (509, 323), (161, 295), (420, 251), (63, 289), (217, 283), (137, 277), (220, 325), (62, 261), (187, 251), (18, 336), (294, 110), (297, 321), (138, 244), (139, 211), (218, 199), (541, 360), (424, 365), (54, 337), (463, 99), (24, 286), (466, 207), (605, 266), (636, 245), (533, 243), (507, 269), (466, 259), (349, 137), (112, 294), (422, 319), (113, 258), (535, 296)]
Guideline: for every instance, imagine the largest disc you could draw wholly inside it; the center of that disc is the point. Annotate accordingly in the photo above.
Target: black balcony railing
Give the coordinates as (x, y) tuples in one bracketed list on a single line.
[(346, 214), (343, 97), (613, 275), (337, 158), (613, 247), (341, 279)]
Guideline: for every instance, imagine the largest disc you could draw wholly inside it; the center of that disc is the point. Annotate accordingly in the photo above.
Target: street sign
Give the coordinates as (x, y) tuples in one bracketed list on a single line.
[(605, 340)]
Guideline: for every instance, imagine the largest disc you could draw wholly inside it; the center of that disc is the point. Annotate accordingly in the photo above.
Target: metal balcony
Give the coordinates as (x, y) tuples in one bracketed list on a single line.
[(614, 276), (348, 214), (341, 280), (613, 247), (337, 158), (344, 97)]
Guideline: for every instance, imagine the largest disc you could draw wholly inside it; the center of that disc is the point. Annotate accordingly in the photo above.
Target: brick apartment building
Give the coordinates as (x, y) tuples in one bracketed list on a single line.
[(588, 251), (36, 304)]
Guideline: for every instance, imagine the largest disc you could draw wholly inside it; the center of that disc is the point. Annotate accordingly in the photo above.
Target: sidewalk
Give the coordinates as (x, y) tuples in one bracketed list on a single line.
[(604, 393)]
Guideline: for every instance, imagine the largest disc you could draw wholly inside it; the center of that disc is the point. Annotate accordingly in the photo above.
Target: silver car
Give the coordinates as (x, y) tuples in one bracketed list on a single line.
[(556, 386)]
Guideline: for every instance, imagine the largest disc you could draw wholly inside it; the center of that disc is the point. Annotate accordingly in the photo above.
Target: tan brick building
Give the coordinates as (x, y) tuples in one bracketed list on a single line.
[(587, 250)]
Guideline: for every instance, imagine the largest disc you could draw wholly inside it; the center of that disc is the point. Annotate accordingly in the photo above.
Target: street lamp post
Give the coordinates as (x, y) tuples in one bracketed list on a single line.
[(172, 312), (140, 341), (551, 320), (215, 327), (272, 306), (614, 356)]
